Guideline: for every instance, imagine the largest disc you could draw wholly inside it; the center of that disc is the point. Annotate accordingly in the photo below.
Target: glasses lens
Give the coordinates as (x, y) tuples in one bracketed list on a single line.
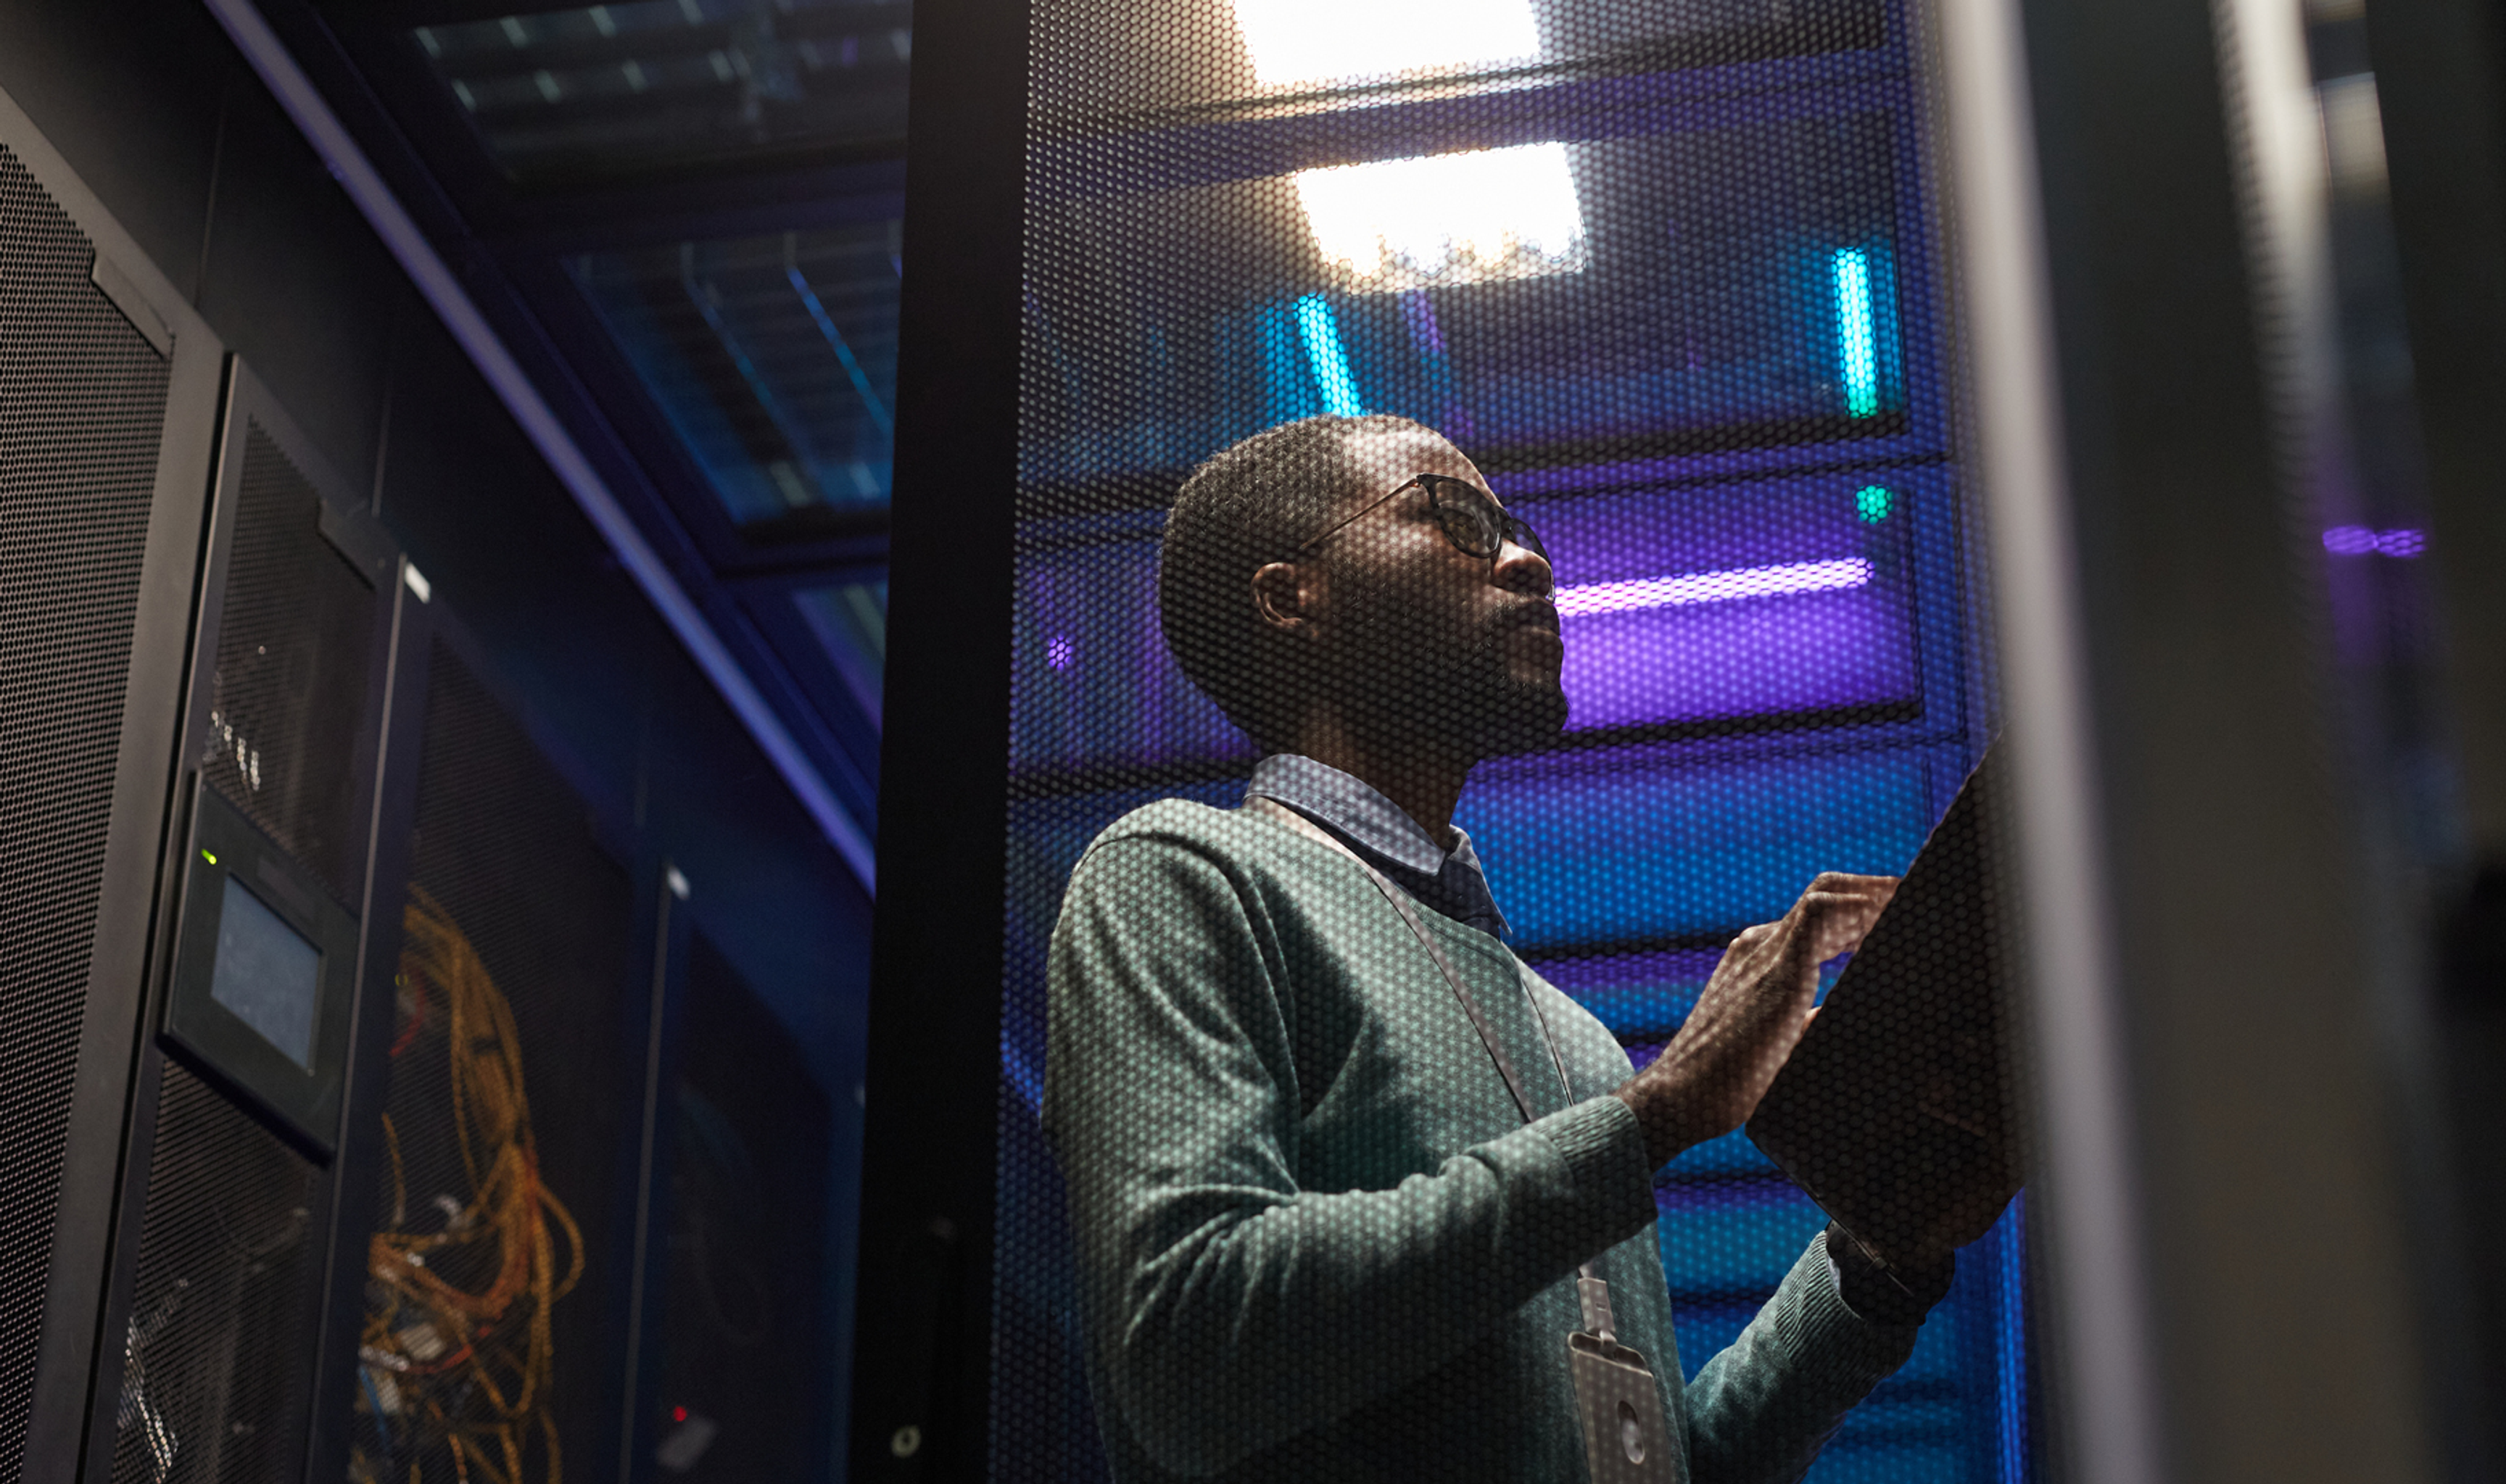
[(1474, 522), (1521, 532), (1470, 518)]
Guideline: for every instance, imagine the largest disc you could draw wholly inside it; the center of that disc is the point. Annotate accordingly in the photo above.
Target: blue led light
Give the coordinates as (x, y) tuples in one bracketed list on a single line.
[(1872, 502), (1857, 332), (2011, 1339), (1321, 335)]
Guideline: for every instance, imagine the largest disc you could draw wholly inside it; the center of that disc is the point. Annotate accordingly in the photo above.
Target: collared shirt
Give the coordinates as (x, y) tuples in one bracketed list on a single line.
[(1385, 837)]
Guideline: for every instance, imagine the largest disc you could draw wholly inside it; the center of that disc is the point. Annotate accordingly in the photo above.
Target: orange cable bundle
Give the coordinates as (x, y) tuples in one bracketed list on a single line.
[(457, 1342)]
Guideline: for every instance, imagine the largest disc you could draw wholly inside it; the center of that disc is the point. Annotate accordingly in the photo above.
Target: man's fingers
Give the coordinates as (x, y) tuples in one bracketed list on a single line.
[(1848, 884), (1831, 922), (1754, 937), (1749, 951)]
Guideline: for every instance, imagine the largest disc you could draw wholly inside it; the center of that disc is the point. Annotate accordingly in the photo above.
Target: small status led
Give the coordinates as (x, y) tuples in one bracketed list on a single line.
[(1872, 503), (209, 857)]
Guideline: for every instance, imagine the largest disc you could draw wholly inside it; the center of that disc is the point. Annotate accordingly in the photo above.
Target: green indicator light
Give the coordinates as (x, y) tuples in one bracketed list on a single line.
[(1872, 503), (212, 859)]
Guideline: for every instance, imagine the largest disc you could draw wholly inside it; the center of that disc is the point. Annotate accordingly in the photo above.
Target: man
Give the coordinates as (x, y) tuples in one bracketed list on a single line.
[(1335, 1158)]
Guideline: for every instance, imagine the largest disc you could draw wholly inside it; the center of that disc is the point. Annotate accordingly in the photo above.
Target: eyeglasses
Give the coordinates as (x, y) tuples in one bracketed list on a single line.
[(1471, 519)]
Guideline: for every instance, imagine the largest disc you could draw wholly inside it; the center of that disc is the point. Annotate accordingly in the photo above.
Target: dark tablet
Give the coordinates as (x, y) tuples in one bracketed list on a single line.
[(1903, 1090)]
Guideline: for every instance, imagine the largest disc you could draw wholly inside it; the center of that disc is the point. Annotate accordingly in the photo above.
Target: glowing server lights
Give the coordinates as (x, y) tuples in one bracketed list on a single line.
[(1329, 358), (1439, 221), (1724, 587), (1327, 40), (1857, 332), (2359, 540)]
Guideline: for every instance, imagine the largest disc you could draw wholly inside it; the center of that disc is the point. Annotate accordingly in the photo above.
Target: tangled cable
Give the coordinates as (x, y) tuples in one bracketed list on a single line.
[(457, 1348)]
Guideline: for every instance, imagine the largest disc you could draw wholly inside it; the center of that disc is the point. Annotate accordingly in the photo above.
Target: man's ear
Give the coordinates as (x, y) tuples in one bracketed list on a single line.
[(1292, 596)]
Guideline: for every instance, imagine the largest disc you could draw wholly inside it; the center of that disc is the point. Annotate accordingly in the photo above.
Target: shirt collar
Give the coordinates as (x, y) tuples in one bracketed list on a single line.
[(1351, 808)]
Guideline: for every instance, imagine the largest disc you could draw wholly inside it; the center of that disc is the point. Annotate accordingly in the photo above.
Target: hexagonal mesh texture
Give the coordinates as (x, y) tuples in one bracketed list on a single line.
[(744, 1336), (217, 1359), (511, 1122), (1666, 281), (287, 707), (82, 411)]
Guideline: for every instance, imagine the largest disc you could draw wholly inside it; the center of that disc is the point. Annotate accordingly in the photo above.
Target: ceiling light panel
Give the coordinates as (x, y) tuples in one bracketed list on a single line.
[(1329, 41), (1440, 221)]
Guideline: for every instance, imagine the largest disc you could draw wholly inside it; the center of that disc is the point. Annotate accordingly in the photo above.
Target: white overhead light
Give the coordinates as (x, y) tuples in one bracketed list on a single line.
[(1318, 41), (1437, 221)]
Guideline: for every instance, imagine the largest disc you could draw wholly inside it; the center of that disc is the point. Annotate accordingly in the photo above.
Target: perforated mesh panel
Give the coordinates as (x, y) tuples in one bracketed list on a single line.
[(82, 407), (519, 933), (1666, 283), (289, 695), (745, 1342), (216, 1365)]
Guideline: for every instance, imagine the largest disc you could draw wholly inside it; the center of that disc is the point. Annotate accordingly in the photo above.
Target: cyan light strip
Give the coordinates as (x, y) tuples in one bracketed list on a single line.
[(1857, 335), (1713, 586), (1323, 352)]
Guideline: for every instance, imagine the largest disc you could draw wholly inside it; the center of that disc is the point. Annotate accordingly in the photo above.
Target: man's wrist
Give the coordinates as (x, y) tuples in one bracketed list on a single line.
[(1665, 1139), (1879, 1295)]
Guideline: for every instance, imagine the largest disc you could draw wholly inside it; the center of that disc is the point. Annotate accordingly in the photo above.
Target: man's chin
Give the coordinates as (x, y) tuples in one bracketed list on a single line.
[(1527, 719)]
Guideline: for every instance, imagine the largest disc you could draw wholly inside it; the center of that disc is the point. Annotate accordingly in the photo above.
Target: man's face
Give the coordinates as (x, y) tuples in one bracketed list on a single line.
[(1423, 638)]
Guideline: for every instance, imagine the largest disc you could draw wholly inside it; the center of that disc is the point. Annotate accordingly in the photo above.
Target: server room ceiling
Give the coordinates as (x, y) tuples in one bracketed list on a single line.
[(632, 90), (691, 209), (683, 215)]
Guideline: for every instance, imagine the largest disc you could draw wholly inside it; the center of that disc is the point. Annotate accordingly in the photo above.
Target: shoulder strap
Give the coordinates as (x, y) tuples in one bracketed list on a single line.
[(1408, 911)]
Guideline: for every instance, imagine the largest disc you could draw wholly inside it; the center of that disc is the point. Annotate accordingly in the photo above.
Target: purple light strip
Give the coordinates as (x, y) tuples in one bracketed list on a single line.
[(1713, 586), (2359, 540)]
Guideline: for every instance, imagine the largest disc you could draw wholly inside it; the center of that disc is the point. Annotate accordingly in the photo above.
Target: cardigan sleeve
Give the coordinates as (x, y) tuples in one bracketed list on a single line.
[(1761, 1409)]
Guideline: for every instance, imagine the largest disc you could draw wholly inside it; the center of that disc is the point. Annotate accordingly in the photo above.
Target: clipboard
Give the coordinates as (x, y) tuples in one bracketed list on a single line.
[(1905, 1087)]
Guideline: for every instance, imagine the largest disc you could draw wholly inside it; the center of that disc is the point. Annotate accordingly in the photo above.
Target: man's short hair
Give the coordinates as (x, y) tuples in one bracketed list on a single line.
[(1246, 506)]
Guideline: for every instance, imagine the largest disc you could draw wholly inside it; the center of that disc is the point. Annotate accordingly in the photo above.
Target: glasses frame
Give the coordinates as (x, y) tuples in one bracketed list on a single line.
[(1510, 527)]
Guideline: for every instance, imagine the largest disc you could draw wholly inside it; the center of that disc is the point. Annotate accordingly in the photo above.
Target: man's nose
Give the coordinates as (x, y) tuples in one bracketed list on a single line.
[(1520, 568)]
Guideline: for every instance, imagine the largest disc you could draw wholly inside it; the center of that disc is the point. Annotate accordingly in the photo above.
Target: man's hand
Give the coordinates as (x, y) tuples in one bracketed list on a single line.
[(1709, 1078)]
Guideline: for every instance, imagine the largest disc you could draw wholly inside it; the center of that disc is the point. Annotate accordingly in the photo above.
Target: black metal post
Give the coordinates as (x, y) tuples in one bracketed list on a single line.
[(922, 1332)]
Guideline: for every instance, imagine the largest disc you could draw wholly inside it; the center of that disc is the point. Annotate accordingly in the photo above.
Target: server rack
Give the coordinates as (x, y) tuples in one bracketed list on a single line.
[(498, 1163), (741, 1175), (254, 739), (226, 1227), (116, 384)]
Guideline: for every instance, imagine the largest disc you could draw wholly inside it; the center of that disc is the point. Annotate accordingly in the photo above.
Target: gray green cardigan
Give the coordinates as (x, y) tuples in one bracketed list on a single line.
[(1316, 1239)]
